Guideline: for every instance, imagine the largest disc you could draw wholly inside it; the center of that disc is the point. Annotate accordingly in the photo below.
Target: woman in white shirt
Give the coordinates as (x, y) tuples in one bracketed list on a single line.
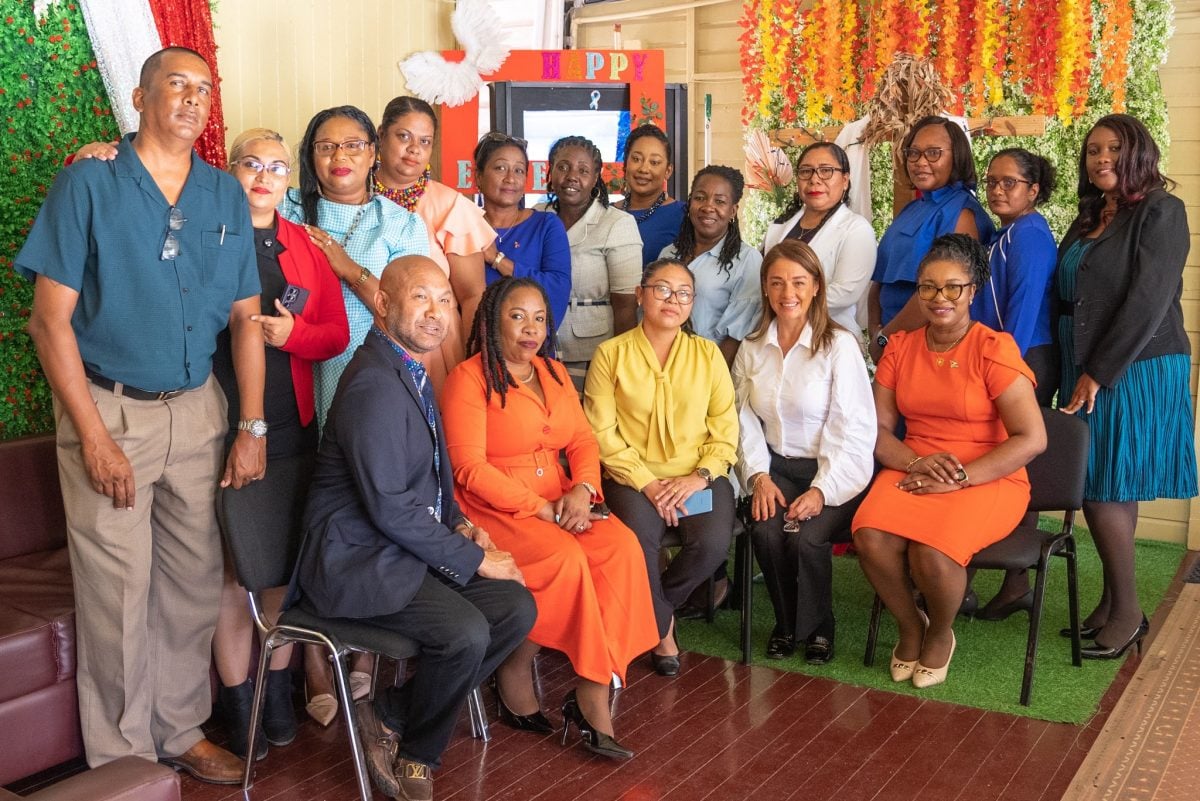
[(821, 218), (807, 445)]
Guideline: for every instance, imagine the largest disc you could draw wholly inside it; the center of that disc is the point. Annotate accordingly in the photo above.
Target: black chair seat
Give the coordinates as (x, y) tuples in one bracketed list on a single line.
[(353, 634), (1018, 551)]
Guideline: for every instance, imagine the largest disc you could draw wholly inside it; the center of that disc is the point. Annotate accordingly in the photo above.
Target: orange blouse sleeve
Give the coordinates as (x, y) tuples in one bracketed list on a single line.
[(889, 364), (1002, 362)]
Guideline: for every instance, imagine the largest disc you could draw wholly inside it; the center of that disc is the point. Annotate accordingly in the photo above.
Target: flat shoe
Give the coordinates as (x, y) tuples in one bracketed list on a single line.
[(781, 646), (379, 748), (665, 665), (923, 677), (360, 684), (818, 650), (208, 763)]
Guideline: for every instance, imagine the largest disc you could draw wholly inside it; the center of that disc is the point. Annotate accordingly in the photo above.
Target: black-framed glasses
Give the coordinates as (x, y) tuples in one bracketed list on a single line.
[(170, 248), (324, 147), (1006, 183), (664, 293), (932, 154), (824, 172), (503, 138), (950, 292), (256, 166)]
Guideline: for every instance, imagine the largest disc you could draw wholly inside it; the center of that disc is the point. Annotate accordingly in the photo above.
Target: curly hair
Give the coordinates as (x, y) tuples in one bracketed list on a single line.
[(485, 336), (1137, 168), (598, 190), (310, 189), (964, 251), (685, 242)]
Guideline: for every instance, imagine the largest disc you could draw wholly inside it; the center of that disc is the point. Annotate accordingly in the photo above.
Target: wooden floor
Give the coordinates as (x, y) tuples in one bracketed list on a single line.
[(724, 731)]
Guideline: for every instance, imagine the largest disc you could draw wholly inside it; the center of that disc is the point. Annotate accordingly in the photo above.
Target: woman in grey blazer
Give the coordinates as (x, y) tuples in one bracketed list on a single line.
[(1125, 356)]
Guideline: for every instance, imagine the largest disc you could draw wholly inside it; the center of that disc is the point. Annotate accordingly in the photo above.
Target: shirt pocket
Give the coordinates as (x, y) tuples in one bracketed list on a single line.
[(220, 251), (591, 321)]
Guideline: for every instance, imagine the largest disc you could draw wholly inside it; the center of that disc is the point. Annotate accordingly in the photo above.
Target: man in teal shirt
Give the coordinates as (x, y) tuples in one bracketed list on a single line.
[(139, 262)]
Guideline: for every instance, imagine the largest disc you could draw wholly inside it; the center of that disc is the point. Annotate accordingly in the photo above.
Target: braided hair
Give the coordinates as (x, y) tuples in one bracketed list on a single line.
[(485, 336), (685, 243), (964, 251), (310, 188), (598, 190)]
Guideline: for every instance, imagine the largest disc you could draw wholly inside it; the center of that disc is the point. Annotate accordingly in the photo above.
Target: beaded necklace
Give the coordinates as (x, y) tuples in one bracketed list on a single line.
[(408, 196), (641, 215)]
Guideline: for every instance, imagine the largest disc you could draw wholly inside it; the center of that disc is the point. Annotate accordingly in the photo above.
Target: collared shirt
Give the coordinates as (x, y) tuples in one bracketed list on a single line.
[(1016, 298), (141, 320), (728, 301), (606, 259), (806, 406), (909, 237), (659, 421)]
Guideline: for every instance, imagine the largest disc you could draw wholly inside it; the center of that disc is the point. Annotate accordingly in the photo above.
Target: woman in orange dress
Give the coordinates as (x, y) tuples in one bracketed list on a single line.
[(509, 410), (957, 482)]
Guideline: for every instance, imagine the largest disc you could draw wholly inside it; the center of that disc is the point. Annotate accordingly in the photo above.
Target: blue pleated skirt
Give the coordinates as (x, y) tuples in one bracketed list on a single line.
[(1142, 444)]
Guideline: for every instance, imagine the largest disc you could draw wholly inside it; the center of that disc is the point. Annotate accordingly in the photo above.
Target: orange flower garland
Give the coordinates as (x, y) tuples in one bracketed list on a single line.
[(1114, 47)]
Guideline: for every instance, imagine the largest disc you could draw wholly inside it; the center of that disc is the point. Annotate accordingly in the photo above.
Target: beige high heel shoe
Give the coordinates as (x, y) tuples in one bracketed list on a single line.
[(902, 670), (923, 677), (322, 707)]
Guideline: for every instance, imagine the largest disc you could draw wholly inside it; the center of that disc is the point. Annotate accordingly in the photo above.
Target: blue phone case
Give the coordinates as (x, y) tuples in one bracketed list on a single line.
[(699, 502)]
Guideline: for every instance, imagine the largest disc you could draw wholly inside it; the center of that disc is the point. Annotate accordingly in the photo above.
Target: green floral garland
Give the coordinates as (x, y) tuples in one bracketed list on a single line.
[(1060, 144), (51, 99)]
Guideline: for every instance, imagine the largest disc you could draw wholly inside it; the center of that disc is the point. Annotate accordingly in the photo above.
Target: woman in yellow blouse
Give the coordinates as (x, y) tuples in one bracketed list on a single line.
[(661, 402)]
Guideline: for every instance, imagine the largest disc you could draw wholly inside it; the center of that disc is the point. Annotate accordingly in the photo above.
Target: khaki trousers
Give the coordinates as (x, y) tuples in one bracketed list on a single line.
[(147, 581)]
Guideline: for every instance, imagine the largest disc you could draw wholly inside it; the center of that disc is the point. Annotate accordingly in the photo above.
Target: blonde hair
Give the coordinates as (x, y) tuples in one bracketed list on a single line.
[(823, 326), (242, 143)]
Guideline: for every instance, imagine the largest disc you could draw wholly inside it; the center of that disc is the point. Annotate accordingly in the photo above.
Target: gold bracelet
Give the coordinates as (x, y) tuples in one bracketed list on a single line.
[(908, 467), (362, 277), (757, 479)]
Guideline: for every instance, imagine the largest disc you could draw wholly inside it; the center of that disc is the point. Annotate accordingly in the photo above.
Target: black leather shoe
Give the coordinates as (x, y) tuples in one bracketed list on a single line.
[(665, 665), (818, 650), (1085, 633), (781, 646), (236, 704), (969, 605), (595, 741), (1004, 610), (535, 723), (279, 715), (1098, 651)]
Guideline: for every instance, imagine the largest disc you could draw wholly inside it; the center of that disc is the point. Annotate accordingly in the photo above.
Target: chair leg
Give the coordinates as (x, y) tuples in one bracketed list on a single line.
[(479, 722), (1035, 624), (746, 582), (264, 660), (1073, 601), (346, 698), (873, 631), (710, 597)]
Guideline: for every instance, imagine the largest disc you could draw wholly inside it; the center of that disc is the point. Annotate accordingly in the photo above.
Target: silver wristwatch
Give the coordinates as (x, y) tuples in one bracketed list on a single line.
[(256, 426)]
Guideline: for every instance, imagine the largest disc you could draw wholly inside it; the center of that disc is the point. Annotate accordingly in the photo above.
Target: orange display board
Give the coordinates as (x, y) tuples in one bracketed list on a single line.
[(643, 70)]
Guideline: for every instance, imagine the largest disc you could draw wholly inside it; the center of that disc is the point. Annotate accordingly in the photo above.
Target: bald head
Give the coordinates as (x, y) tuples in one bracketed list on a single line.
[(412, 302)]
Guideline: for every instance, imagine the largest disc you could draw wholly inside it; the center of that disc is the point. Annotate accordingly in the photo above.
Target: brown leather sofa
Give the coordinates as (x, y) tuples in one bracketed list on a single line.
[(126, 779), (39, 716)]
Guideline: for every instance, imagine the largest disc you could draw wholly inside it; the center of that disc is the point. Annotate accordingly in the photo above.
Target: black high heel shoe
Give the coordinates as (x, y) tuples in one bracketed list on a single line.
[(1100, 652), (537, 723), (666, 665), (595, 741), (969, 605), (1085, 633), (1004, 610)]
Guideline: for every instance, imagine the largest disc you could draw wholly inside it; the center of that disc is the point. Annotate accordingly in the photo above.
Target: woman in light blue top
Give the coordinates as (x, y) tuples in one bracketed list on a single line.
[(358, 231), (728, 300)]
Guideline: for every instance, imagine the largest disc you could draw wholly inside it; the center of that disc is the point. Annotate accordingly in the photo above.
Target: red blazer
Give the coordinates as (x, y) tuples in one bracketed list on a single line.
[(321, 330)]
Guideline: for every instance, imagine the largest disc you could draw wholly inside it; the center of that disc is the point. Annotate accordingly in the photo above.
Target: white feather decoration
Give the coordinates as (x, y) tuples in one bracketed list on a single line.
[(41, 7), (433, 79)]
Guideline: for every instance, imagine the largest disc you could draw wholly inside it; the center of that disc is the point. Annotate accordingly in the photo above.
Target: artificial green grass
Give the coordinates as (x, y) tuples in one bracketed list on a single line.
[(990, 656)]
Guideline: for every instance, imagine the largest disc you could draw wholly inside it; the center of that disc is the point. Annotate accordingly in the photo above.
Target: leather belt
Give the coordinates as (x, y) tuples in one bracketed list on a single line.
[(124, 390), (1066, 309), (590, 302)]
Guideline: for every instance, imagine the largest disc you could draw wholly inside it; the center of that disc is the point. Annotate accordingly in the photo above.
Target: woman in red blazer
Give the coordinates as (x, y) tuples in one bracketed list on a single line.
[(304, 320)]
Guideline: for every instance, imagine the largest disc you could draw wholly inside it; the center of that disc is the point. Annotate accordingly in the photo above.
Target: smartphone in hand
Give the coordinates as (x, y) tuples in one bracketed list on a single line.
[(699, 502)]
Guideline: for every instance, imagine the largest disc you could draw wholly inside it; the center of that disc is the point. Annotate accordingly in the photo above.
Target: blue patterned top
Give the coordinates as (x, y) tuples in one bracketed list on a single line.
[(728, 301), (384, 232)]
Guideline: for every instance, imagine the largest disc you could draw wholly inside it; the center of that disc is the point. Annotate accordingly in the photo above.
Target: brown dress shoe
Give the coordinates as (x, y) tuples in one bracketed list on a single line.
[(379, 747), (208, 763), (415, 782)]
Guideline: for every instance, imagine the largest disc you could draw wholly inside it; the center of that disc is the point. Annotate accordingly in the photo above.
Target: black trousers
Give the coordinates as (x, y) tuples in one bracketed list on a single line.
[(705, 543), (465, 633), (798, 568)]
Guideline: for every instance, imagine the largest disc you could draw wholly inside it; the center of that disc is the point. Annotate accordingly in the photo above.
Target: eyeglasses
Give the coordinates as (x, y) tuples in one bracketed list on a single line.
[(950, 292), (170, 248), (1007, 184), (352, 146), (663, 292), (256, 166), (500, 136), (824, 172), (931, 154)]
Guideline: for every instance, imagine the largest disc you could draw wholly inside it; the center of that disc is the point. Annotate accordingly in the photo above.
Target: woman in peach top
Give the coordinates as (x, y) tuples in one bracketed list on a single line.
[(509, 411)]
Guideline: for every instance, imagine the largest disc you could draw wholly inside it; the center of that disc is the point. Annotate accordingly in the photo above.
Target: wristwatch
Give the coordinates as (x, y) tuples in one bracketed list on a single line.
[(881, 339), (256, 426), (499, 258), (591, 491), (706, 474)]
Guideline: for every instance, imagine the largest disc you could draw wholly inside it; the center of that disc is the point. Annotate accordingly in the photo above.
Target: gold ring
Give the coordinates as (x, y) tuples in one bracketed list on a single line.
[(918, 484)]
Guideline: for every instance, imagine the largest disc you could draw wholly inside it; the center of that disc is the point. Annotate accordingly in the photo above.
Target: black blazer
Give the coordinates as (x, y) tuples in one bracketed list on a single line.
[(370, 533), (1128, 288)]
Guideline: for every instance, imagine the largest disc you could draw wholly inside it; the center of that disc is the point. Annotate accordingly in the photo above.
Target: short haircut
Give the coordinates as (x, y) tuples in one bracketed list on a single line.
[(152, 64)]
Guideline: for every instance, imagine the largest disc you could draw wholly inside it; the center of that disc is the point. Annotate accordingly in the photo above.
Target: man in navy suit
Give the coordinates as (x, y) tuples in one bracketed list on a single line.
[(387, 543)]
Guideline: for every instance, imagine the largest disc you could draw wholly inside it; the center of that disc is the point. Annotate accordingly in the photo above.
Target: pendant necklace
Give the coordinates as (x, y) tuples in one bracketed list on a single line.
[(941, 360)]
